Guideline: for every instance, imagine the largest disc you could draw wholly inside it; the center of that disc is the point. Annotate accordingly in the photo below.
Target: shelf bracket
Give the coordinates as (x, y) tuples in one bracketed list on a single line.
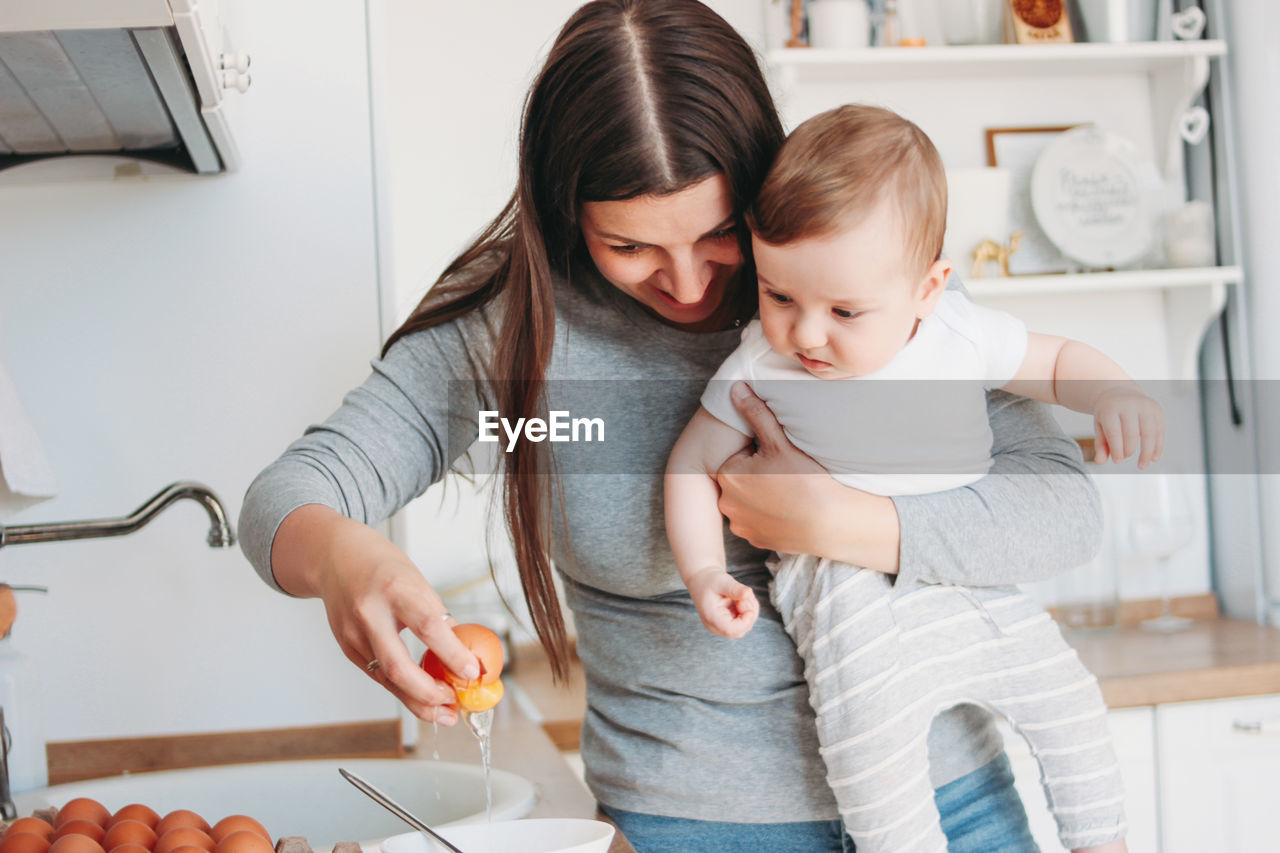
[(1173, 90), (1188, 311)]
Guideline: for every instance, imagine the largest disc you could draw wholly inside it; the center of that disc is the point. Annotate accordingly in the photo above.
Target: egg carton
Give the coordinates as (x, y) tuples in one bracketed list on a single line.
[(299, 844), (47, 815)]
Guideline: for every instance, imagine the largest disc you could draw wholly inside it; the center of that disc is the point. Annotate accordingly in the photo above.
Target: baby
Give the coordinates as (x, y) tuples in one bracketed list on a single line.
[(847, 235)]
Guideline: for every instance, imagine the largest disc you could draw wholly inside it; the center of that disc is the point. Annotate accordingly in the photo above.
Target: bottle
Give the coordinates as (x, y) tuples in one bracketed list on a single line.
[(889, 28), (23, 715)]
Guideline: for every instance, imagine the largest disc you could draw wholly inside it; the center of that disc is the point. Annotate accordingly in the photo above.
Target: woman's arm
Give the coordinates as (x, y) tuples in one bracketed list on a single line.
[(1034, 515), (371, 590), (305, 520)]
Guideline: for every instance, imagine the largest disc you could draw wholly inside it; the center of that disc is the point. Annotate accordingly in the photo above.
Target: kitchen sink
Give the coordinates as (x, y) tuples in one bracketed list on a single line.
[(309, 798)]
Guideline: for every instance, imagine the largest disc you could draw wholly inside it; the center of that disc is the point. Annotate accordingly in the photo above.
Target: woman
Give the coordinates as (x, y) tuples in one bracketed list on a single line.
[(621, 256)]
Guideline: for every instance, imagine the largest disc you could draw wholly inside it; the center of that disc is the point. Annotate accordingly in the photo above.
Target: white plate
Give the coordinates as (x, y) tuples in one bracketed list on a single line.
[(1095, 196), (534, 835)]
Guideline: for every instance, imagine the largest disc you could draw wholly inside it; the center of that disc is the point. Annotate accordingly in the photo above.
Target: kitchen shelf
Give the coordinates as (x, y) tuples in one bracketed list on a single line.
[(1156, 86), (1102, 282), (1191, 299), (813, 65)]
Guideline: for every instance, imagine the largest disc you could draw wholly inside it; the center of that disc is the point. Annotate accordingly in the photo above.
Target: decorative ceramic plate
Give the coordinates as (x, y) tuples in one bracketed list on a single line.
[(1095, 196)]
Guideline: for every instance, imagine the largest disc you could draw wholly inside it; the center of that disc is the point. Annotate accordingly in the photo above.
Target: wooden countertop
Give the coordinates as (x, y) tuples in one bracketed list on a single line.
[(520, 745), (1214, 659)]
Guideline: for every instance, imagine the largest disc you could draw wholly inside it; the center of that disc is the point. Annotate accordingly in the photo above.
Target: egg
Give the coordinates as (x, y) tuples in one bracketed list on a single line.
[(129, 848), (31, 824), (478, 694), (128, 832), (244, 841), (23, 842), (189, 848), (181, 817), (83, 808), (87, 828), (183, 836), (76, 843), (138, 812), (236, 823), (482, 642)]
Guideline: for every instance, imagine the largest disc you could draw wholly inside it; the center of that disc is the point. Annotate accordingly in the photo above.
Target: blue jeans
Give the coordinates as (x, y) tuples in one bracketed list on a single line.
[(981, 813)]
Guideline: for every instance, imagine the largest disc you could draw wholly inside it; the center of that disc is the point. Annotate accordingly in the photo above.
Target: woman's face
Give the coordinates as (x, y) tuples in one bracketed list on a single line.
[(675, 254)]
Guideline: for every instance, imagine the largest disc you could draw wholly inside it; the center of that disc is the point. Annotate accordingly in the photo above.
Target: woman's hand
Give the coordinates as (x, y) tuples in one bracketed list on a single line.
[(800, 509), (371, 591)]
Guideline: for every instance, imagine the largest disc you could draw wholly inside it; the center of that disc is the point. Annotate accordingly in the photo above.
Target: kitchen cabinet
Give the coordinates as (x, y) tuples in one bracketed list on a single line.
[(1219, 770), (1150, 320), (1198, 776)]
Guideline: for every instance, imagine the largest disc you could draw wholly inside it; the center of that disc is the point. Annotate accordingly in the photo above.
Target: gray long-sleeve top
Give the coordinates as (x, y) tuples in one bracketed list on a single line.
[(680, 722)]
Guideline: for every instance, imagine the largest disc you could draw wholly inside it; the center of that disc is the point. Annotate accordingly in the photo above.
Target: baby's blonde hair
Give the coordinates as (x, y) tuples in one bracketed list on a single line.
[(836, 167)]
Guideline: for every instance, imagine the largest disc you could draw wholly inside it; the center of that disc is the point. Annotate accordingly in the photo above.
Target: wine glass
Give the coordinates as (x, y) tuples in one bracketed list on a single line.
[(1160, 525)]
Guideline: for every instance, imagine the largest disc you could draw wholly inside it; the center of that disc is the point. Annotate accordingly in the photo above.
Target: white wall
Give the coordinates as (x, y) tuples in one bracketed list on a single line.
[(1255, 76), (188, 328)]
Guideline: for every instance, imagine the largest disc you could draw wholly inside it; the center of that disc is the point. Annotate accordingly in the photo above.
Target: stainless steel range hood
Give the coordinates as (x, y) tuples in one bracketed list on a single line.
[(138, 77)]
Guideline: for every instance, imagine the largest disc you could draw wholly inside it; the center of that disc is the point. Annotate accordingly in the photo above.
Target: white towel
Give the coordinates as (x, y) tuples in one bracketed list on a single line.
[(25, 476)]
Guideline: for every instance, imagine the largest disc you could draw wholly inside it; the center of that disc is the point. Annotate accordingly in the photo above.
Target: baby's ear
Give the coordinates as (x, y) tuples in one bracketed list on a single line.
[(929, 289)]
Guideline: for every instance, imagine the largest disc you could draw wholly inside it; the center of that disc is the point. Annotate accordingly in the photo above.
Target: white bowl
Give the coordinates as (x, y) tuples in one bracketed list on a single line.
[(533, 835), (308, 797)]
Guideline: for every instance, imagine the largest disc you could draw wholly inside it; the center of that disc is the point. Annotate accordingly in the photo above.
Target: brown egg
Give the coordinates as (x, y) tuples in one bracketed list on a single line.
[(31, 824), (181, 817), (83, 808), (129, 832), (129, 848), (236, 823), (244, 841), (23, 842), (182, 836), (138, 812), (76, 843), (189, 848), (86, 828)]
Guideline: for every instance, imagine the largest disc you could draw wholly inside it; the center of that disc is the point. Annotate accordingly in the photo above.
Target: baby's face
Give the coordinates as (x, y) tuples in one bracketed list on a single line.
[(844, 304)]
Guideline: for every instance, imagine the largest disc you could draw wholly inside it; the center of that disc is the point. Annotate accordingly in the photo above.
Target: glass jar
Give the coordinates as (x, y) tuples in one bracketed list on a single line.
[(1088, 597)]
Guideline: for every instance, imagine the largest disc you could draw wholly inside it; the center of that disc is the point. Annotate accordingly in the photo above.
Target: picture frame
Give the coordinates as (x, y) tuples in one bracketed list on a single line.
[(1016, 149)]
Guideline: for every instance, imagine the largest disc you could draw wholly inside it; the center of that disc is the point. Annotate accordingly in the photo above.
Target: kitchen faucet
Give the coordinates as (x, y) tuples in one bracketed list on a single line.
[(220, 536), (220, 533)]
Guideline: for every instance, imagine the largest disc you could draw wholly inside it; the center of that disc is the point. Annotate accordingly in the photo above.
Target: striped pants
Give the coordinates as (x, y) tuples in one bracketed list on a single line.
[(882, 661)]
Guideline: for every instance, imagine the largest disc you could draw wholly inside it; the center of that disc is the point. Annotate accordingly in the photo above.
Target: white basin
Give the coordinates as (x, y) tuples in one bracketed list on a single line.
[(309, 797)]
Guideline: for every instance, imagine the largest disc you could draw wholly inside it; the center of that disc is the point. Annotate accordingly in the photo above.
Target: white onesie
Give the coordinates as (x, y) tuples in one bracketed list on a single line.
[(882, 660)]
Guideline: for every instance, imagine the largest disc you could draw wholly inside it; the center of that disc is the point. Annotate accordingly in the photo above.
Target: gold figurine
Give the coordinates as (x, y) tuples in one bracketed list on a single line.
[(990, 250)]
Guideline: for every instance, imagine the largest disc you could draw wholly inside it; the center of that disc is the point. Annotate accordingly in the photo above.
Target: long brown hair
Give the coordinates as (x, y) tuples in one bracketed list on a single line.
[(637, 97)]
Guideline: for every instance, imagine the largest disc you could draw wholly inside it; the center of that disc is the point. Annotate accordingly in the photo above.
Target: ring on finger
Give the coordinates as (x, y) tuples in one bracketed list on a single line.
[(372, 666)]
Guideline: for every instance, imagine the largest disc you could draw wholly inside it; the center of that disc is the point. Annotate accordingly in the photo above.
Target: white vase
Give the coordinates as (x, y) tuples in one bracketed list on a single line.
[(1118, 20), (977, 210), (839, 24), (972, 21)]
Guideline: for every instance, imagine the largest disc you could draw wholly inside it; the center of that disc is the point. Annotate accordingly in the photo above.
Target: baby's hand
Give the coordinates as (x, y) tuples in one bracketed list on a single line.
[(727, 607), (1123, 419)]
